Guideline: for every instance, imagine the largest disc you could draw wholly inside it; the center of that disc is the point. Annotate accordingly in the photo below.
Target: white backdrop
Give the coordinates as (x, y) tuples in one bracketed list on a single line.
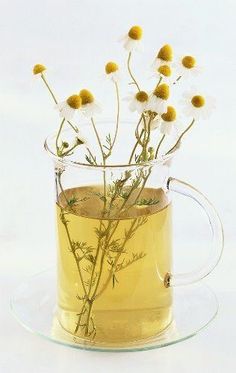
[(74, 39)]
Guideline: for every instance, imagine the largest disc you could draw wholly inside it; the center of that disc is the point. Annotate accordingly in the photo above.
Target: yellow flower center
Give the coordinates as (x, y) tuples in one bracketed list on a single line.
[(170, 115), (86, 96), (111, 67), (165, 53), (164, 70), (141, 96), (74, 101), (38, 69), (135, 33), (162, 91), (189, 62), (198, 101)]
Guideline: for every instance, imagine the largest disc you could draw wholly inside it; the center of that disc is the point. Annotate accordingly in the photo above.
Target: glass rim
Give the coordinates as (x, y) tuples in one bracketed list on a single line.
[(65, 162)]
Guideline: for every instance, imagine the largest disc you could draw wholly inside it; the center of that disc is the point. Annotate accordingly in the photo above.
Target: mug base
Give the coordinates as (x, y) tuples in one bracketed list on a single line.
[(34, 306), (120, 326)]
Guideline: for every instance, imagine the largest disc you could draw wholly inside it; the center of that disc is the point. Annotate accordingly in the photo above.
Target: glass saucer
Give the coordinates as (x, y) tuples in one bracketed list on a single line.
[(34, 306)]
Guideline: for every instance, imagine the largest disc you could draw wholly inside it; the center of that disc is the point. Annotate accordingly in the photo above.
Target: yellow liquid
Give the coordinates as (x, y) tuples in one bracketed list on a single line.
[(133, 304)]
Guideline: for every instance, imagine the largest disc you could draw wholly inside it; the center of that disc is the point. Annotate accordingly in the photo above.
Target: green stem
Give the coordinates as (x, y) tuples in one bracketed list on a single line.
[(114, 264), (149, 133), (135, 146), (62, 190), (80, 316), (104, 162), (78, 266), (160, 79), (179, 77), (137, 128), (117, 119), (95, 260), (91, 155), (117, 115), (70, 150), (130, 72), (68, 235), (55, 100), (181, 136), (141, 189), (88, 318), (49, 89), (98, 139), (159, 145), (106, 245), (58, 135)]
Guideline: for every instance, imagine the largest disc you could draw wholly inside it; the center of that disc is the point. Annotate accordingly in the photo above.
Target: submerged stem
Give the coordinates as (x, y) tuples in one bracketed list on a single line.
[(64, 222)]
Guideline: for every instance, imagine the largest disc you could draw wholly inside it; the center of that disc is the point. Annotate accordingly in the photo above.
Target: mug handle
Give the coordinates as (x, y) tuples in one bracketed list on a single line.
[(187, 190)]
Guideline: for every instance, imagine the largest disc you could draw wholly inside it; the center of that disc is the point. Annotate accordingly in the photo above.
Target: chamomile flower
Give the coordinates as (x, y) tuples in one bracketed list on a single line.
[(132, 41), (38, 69), (169, 121), (164, 56), (187, 66), (112, 71), (164, 72), (138, 101), (90, 106), (68, 108), (197, 106), (158, 101)]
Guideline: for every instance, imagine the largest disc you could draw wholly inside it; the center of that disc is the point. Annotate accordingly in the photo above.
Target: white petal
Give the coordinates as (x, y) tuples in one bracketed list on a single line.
[(161, 106), (151, 103), (132, 105), (97, 109), (68, 113), (60, 105), (187, 94), (122, 38), (130, 44), (188, 110), (128, 98), (155, 124), (166, 128), (140, 106), (89, 110), (115, 77), (159, 62)]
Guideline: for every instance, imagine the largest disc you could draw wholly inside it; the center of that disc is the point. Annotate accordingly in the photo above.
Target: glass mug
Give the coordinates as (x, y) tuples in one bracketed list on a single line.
[(114, 230)]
